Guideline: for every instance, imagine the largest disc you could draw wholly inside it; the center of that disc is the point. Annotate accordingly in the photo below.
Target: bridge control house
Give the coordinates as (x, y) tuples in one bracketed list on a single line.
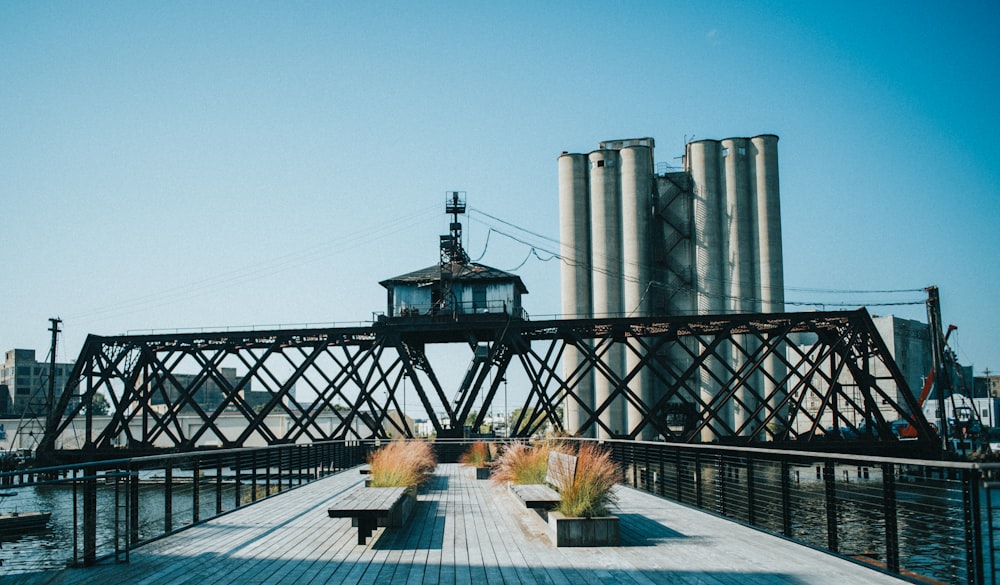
[(459, 289), (456, 286)]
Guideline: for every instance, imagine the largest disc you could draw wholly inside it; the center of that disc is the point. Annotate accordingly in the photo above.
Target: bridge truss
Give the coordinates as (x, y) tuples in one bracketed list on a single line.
[(804, 379)]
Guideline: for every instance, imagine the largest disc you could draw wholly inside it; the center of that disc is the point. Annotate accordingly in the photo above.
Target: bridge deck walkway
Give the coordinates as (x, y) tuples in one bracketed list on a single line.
[(464, 531)]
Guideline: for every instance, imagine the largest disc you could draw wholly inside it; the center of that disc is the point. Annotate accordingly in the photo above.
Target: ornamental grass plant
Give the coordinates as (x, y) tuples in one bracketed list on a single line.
[(521, 463), (402, 464), (591, 491), (477, 455)]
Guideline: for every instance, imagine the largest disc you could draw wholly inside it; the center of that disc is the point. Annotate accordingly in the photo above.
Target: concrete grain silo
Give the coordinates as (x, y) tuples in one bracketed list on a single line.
[(636, 242), (576, 269)]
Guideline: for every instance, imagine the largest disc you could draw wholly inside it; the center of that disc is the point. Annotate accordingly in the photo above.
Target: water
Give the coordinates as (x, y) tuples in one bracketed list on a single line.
[(54, 546)]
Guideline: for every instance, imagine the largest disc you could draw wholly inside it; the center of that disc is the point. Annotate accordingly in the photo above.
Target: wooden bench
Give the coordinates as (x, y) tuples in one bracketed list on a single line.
[(367, 506), (561, 470), (536, 495)]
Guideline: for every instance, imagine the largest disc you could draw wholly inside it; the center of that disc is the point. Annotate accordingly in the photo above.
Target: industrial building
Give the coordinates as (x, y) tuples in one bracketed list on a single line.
[(641, 241), (184, 392), (24, 383), (909, 344)]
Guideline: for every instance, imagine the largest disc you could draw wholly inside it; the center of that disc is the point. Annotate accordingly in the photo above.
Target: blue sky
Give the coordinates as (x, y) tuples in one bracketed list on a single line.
[(210, 164)]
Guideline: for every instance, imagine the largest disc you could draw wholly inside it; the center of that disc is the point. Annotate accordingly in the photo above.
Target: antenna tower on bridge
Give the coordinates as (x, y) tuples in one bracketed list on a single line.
[(452, 251)]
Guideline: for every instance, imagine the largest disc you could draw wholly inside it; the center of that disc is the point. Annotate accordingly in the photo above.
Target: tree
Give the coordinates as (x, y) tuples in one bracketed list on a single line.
[(99, 404), (516, 424)]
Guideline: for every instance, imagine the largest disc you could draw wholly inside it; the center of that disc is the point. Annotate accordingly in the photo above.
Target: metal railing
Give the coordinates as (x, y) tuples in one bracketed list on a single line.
[(935, 519), (919, 519), (104, 509)]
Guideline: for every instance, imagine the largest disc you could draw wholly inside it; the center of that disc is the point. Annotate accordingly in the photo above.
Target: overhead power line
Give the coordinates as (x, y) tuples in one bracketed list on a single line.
[(534, 247)]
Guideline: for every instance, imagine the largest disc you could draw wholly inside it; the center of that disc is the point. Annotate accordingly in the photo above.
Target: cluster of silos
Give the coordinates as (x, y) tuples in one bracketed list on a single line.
[(637, 243)]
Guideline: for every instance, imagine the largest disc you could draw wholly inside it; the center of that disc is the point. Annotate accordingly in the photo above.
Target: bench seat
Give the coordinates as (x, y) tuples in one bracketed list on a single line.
[(367, 506), (560, 471), (536, 495)]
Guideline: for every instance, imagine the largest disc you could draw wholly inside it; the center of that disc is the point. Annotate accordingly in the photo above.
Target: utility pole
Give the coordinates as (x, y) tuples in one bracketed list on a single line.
[(51, 398), (941, 380)]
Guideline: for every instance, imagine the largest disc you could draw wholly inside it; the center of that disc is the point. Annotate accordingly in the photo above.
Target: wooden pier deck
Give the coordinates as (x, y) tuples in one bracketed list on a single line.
[(464, 531)]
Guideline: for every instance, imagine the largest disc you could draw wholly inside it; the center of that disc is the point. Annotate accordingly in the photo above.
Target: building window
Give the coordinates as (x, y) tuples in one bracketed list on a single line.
[(725, 152), (742, 151), (479, 298)]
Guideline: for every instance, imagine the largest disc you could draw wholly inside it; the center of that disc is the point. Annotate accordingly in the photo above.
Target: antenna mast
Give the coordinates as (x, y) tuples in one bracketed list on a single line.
[(453, 255), (452, 251)]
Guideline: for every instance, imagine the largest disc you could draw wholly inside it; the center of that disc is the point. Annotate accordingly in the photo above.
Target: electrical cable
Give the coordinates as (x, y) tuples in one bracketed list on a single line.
[(687, 289), (263, 269)]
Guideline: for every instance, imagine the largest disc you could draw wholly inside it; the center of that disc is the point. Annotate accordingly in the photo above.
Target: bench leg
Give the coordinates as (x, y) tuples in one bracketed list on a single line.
[(366, 526)]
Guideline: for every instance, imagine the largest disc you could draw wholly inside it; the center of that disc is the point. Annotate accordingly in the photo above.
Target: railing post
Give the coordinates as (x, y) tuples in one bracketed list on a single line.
[(267, 473), (660, 487), (891, 522), (253, 476), (971, 480), (679, 475), (133, 508), (697, 481), (751, 494), (720, 481), (218, 484), (76, 517), (168, 497), (196, 491), (830, 482), (237, 467), (89, 516), (786, 498)]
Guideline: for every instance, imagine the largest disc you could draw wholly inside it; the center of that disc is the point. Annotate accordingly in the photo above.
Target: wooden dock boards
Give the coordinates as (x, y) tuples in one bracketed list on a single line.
[(463, 532)]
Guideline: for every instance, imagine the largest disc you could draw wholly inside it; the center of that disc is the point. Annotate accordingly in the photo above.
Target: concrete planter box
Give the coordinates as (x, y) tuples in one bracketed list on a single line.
[(599, 531), (483, 472)]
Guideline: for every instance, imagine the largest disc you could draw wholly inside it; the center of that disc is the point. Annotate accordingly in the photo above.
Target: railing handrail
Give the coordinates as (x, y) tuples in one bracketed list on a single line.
[(127, 461), (790, 453)]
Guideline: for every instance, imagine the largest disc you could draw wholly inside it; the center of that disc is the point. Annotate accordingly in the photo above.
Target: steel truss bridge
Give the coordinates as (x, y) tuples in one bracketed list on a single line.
[(818, 380)]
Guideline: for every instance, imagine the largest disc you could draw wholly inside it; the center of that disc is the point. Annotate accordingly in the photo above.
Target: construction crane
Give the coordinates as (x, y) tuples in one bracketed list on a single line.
[(908, 431)]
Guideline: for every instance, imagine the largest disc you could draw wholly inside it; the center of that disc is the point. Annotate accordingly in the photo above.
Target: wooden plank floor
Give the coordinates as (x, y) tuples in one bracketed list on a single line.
[(463, 531)]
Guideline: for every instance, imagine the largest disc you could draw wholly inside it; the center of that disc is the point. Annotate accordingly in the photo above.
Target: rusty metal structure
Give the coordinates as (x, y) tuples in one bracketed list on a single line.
[(818, 381)]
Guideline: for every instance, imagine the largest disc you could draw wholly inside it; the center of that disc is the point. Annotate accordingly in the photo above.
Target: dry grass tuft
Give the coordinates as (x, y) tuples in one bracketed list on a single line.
[(477, 455), (402, 464), (521, 463), (590, 493)]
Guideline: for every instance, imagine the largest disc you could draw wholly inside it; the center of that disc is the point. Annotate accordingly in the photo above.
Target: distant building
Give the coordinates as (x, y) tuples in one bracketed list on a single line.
[(177, 392), (987, 386), (24, 383), (909, 344)]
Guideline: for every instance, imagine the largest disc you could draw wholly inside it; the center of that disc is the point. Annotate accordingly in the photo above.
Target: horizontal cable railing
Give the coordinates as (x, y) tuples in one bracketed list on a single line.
[(921, 519), (103, 509), (932, 519)]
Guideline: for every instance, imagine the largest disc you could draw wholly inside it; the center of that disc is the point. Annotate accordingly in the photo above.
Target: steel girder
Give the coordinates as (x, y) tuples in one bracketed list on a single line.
[(799, 377)]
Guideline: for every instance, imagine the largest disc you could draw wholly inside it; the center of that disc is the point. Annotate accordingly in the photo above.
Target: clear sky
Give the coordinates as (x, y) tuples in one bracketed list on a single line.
[(213, 164)]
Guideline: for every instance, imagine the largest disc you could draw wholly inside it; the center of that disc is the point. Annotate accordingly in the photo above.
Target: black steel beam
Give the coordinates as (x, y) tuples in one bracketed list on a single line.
[(708, 366)]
